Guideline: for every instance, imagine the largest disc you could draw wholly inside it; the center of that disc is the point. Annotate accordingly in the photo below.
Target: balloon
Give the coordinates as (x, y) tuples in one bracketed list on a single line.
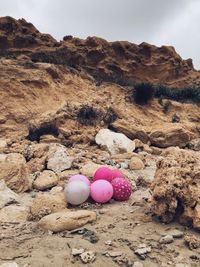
[(101, 191), (121, 189), (79, 177), (77, 192), (116, 174), (102, 173)]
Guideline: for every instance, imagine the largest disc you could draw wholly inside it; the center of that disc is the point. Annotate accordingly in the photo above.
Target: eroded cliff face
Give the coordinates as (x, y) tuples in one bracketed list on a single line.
[(121, 62)]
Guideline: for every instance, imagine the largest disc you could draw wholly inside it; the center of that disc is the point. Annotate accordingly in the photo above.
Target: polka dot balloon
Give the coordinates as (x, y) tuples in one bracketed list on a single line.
[(121, 189)]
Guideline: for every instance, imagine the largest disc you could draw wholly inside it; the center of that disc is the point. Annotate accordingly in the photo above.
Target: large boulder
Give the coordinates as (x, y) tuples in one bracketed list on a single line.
[(7, 196), (58, 159), (67, 220), (114, 142), (170, 136), (176, 187), (14, 172)]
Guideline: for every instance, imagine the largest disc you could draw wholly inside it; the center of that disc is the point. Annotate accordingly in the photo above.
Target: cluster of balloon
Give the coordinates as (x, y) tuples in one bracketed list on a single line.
[(106, 184)]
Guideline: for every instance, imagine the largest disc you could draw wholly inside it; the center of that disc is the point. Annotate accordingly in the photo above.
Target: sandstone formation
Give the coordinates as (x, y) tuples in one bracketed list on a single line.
[(176, 189)]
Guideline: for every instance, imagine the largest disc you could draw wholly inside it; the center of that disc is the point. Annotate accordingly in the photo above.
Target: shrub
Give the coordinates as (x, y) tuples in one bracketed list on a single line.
[(143, 93), (87, 115)]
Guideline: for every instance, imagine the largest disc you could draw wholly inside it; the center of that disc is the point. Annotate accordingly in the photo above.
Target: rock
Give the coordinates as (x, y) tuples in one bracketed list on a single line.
[(136, 163), (89, 169), (15, 173), (7, 196), (76, 252), (59, 160), (9, 264), (142, 250), (13, 214), (132, 132), (114, 142), (88, 257), (156, 150), (181, 265), (67, 220), (47, 203), (177, 181), (114, 253), (175, 233), (170, 136), (194, 144), (3, 145), (167, 239), (138, 264), (45, 180), (192, 241), (47, 138)]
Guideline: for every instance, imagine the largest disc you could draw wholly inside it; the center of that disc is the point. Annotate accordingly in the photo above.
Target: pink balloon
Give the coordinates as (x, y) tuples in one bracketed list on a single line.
[(79, 177), (121, 189), (116, 174), (101, 191), (102, 173)]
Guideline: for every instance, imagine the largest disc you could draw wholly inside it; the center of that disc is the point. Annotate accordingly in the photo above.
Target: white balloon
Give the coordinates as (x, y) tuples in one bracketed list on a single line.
[(77, 192)]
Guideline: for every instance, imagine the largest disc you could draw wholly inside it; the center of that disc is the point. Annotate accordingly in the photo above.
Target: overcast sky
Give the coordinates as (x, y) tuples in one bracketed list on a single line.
[(159, 22)]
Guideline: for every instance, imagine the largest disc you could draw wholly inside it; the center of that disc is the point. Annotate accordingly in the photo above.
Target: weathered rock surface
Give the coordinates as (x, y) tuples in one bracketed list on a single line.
[(45, 180), (59, 160), (89, 169), (7, 196), (176, 187), (173, 136), (14, 214), (15, 173), (47, 203), (67, 220), (9, 264), (136, 163), (194, 144), (114, 142)]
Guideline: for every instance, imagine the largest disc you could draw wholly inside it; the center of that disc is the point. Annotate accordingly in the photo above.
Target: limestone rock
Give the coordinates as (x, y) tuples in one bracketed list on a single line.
[(136, 163), (59, 160), (14, 214), (176, 186), (7, 196), (67, 220), (114, 142), (15, 173), (45, 180), (170, 136), (47, 203)]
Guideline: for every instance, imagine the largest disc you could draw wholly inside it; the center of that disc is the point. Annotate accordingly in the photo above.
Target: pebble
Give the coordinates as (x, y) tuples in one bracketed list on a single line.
[(88, 256), (138, 264), (167, 239), (76, 252), (142, 250), (176, 233), (108, 242), (114, 254)]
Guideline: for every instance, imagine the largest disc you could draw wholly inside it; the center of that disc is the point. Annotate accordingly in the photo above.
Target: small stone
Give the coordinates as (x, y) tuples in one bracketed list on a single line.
[(108, 242), (47, 179), (136, 163), (166, 239), (138, 264), (176, 233), (9, 264), (76, 252), (88, 257), (7, 196), (143, 249), (115, 254)]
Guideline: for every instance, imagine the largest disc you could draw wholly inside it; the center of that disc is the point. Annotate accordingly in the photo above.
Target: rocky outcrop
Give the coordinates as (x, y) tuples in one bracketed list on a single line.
[(176, 189), (121, 61), (170, 136), (114, 142)]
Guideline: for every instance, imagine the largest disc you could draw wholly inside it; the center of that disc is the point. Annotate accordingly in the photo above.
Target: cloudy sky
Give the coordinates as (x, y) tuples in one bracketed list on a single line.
[(168, 22)]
